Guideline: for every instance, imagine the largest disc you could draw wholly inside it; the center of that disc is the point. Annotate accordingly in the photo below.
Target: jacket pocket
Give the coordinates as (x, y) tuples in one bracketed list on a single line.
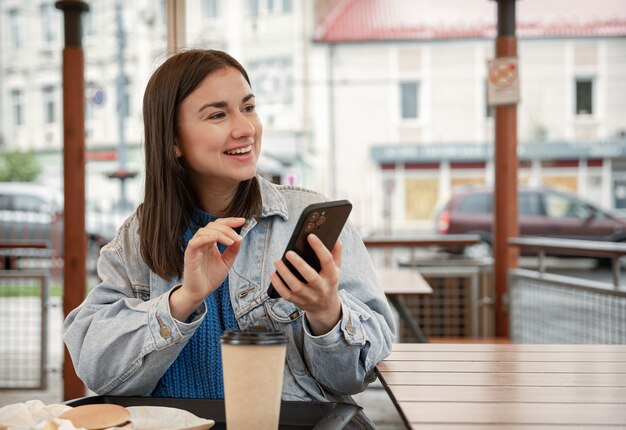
[(141, 292), (283, 312)]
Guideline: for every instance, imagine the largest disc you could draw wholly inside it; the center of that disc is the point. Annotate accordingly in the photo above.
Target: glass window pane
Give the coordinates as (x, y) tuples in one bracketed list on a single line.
[(529, 204), (488, 109), (14, 24), (210, 8), (47, 26), (409, 99), (16, 103), (254, 8), (584, 97), (558, 206), (476, 204), (49, 105)]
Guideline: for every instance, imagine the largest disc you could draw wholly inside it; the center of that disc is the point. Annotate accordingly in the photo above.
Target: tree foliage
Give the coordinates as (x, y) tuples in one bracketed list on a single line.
[(18, 166)]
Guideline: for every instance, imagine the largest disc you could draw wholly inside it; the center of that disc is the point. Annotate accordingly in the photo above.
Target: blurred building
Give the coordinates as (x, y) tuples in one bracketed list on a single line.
[(123, 43), (408, 83), (379, 101)]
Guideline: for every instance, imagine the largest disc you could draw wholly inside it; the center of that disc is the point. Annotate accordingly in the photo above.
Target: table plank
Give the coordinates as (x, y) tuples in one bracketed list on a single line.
[(514, 413), (478, 394), (402, 281), (498, 426), (464, 386), (505, 366), (497, 355), (506, 379), (446, 347)]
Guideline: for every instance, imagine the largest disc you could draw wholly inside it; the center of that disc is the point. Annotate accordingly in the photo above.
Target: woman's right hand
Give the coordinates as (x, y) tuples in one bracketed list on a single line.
[(204, 267)]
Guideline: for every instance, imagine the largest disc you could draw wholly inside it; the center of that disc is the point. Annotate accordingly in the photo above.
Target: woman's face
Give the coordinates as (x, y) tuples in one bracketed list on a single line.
[(219, 132)]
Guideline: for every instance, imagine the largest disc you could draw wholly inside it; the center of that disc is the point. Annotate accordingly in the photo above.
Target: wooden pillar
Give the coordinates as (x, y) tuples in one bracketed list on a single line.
[(505, 196), (175, 15), (74, 236)]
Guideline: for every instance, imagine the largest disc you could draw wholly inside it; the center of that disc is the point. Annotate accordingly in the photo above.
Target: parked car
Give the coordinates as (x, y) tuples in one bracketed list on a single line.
[(542, 211), (35, 212)]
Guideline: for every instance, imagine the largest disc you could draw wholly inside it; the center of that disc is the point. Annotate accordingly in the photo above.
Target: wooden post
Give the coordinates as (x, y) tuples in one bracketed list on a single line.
[(74, 236), (505, 196), (175, 15)]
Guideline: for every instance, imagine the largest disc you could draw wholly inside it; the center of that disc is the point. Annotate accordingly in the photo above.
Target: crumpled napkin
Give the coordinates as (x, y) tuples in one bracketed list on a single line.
[(35, 415)]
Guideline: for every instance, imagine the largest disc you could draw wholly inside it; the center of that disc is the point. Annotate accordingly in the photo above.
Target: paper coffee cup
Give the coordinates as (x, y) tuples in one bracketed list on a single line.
[(253, 362)]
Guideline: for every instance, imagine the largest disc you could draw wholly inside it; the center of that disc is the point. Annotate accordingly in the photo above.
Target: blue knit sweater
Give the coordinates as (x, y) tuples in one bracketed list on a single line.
[(197, 371)]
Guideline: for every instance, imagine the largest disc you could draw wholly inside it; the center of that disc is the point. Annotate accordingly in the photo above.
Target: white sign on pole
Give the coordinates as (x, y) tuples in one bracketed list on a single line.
[(503, 81)]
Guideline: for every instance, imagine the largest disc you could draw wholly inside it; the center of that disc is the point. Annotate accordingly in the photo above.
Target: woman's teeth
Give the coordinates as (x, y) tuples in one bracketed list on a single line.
[(240, 150)]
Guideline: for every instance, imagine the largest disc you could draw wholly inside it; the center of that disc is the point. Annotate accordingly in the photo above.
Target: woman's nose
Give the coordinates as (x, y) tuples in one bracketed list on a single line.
[(242, 127)]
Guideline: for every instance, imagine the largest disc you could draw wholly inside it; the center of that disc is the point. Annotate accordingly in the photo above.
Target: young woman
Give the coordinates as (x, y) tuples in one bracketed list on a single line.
[(199, 253)]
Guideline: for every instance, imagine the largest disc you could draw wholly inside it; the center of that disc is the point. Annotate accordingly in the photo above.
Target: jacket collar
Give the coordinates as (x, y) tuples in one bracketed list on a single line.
[(272, 200)]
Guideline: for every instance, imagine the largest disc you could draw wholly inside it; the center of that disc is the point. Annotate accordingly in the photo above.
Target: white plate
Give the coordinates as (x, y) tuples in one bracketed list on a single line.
[(164, 418)]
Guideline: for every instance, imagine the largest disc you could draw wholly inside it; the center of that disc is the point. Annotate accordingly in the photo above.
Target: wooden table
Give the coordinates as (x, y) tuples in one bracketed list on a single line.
[(396, 283), (506, 386)]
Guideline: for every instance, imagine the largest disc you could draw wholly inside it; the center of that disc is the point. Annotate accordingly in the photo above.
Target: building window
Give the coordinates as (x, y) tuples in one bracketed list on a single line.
[(272, 80), (49, 105), (124, 100), (210, 8), (269, 7), (17, 107), (488, 109), (47, 22), (14, 25), (409, 99), (584, 96), (254, 8), (87, 21)]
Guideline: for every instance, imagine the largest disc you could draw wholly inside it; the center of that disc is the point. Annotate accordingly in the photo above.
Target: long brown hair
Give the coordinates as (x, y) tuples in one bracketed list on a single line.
[(169, 198)]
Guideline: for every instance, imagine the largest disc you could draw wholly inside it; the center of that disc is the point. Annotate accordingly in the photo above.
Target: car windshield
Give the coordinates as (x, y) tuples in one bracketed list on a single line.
[(476, 204), (559, 206)]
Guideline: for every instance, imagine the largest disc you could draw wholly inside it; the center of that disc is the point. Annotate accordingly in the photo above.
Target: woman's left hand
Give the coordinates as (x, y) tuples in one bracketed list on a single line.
[(319, 295)]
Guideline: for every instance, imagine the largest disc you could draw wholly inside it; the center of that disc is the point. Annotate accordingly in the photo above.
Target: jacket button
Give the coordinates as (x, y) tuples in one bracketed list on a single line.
[(165, 332), (350, 329)]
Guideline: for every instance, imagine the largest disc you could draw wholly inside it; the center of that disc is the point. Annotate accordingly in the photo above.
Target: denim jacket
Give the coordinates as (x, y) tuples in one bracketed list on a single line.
[(123, 338)]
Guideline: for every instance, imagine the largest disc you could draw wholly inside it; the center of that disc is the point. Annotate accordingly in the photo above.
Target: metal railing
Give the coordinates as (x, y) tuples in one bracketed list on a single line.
[(23, 329), (588, 248), (550, 308), (461, 302)]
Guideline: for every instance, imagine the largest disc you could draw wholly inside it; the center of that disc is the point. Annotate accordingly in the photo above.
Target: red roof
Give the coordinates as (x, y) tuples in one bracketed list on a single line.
[(372, 20)]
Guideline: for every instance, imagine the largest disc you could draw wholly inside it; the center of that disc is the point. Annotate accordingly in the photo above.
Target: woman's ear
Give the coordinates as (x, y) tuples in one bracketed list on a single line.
[(177, 151)]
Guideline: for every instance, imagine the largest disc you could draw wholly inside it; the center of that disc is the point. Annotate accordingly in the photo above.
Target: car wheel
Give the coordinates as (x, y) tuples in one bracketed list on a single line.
[(480, 250)]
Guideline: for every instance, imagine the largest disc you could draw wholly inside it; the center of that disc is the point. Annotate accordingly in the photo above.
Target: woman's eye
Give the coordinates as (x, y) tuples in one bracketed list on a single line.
[(249, 108), (216, 115)]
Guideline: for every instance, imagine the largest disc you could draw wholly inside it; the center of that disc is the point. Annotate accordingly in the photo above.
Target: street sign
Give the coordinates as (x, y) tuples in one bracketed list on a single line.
[(503, 81)]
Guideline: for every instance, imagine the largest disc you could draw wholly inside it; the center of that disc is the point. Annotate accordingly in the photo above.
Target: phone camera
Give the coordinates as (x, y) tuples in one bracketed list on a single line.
[(309, 227), (314, 216), (321, 220)]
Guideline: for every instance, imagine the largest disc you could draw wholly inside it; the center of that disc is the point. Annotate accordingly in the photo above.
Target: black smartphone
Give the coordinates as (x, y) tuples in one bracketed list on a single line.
[(325, 220)]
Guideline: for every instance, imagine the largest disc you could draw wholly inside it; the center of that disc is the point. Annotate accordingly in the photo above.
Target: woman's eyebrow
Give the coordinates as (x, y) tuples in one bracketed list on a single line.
[(223, 104), (218, 105)]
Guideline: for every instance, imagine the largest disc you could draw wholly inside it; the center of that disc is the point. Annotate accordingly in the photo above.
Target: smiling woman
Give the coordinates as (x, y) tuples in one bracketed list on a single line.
[(197, 257)]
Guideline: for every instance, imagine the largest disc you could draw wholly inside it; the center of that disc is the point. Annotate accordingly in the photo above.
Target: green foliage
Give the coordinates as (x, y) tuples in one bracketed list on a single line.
[(18, 166)]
